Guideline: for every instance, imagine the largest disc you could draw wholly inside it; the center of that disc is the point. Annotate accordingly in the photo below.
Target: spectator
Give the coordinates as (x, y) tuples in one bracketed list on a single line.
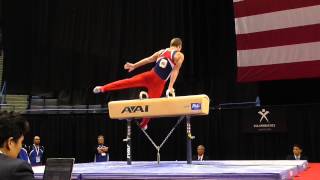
[(23, 154), (297, 153), (12, 130), (101, 150), (200, 154), (36, 152)]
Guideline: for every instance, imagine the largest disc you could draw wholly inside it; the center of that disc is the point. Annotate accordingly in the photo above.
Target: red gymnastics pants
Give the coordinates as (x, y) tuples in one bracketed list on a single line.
[(149, 80)]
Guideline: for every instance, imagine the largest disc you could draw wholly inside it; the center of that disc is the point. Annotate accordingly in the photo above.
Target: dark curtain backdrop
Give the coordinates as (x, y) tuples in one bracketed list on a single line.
[(64, 48), (221, 132)]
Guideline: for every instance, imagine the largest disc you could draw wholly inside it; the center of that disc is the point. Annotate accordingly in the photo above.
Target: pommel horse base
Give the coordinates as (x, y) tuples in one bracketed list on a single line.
[(170, 106)]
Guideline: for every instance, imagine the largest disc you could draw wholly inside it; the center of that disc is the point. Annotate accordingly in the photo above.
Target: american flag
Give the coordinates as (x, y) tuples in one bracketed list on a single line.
[(277, 39)]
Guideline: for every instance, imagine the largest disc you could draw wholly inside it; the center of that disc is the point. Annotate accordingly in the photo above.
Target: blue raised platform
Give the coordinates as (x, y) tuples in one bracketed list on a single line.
[(218, 170)]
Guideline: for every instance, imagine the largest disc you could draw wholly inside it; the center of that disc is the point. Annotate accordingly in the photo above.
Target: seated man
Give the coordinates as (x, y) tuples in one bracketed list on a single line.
[(297, 153), (101, 150), (200, 154), (12, 130), (23, 154)]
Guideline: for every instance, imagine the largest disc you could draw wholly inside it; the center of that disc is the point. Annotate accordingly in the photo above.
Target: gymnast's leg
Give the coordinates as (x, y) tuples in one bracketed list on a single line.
[(133, 82), (154, 91)]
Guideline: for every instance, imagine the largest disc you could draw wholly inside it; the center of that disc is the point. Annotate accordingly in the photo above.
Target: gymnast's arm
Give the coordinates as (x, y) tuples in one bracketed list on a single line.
[(130, 66), (175, 72)]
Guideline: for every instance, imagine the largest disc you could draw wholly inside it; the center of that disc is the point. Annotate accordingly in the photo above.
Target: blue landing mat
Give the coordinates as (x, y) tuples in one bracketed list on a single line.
[(218, 170)]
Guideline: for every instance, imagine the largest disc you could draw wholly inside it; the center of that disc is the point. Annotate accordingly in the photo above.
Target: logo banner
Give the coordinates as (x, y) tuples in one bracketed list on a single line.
[(264, 119)]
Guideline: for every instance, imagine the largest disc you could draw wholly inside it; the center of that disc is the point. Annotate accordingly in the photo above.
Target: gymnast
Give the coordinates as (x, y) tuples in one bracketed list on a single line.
[(167, 64)]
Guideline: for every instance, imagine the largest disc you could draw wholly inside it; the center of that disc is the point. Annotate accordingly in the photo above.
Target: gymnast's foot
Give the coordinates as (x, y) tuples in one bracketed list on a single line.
[(145, 127), (97, 90), (144, 124)]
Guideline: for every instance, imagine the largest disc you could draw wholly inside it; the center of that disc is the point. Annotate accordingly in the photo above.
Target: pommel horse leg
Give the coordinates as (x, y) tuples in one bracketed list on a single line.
[(128, 141), (189, 138)]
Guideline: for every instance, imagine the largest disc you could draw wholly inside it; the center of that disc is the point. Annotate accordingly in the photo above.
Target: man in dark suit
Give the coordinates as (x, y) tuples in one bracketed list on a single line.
[(200, 154), (297, 153), (12, 130)]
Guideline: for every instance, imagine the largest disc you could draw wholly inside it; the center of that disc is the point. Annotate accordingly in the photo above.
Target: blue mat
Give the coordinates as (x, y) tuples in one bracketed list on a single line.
[(224, 170)]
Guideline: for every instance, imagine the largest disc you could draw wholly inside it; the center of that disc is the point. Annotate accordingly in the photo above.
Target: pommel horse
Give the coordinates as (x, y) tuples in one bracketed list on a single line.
[(169, 106)]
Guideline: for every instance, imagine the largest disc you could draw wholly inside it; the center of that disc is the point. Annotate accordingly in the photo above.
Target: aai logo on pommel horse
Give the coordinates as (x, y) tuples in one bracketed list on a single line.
[(134, 109), (195, 106)]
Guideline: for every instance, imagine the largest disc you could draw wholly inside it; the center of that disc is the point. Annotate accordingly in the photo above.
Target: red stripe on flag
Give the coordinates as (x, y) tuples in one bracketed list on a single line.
[(280, 37), (307, 69), (254, 7)]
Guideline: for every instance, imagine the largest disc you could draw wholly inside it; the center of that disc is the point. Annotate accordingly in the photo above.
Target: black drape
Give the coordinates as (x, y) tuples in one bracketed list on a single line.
[(221, 132), (68, 47), (65, 48)]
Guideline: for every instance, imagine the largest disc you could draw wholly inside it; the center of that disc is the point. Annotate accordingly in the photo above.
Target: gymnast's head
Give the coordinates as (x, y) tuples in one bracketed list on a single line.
[(176, 43)]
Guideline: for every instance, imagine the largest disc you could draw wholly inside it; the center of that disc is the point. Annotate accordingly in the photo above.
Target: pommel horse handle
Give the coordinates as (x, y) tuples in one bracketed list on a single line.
[(143, 93)]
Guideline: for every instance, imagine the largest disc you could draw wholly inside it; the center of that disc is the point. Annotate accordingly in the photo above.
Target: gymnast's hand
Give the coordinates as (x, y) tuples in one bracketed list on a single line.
[(169, 91), (129, 66), (97, 90)]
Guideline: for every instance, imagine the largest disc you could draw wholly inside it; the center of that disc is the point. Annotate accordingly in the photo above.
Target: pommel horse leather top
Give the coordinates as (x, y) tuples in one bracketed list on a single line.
[(192, 105)]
